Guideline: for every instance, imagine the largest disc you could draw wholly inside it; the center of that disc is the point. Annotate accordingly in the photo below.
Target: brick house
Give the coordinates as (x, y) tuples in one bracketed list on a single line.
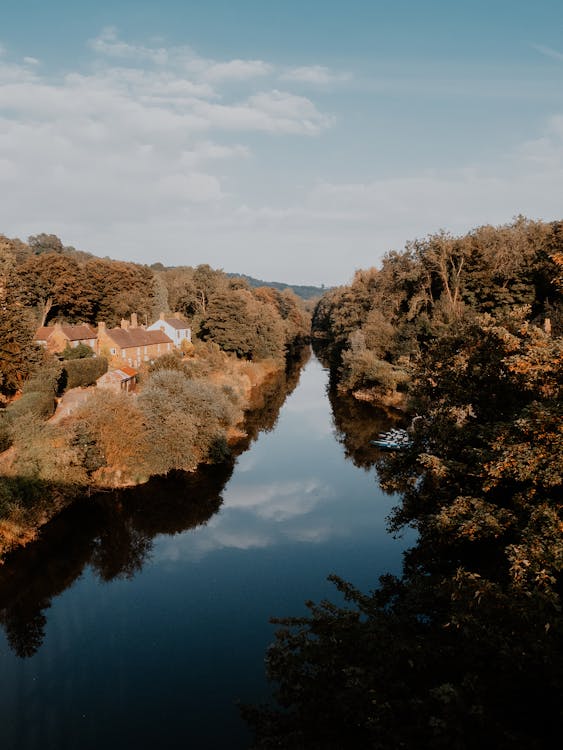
[(122, 379), (174, 326), (55, 338), (130, 344)]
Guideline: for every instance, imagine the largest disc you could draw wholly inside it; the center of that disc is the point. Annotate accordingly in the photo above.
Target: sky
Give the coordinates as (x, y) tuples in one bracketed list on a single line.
[(291, 141)]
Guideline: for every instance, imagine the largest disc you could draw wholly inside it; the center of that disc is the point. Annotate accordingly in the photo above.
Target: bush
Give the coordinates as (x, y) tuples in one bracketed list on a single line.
[(110, 434), (186, 420), (81, 351), (170, 361), (5, 431), (219, 450), (363, 369), (82, 372), (46, 378), (40, 404)]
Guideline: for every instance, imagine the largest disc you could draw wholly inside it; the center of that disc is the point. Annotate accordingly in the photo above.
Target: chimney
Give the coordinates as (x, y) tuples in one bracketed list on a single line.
[(162, 315), (547, 326), (124, 324), (134, 322), (58, 326), (101, 326), (178, 316)]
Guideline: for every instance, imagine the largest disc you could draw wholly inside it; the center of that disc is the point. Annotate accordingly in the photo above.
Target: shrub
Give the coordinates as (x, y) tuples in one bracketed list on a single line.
[(81, 351), (170, 361), (46, 378), (186, 420), (77, 372), (110, 432), (5, 431), (40, 404)]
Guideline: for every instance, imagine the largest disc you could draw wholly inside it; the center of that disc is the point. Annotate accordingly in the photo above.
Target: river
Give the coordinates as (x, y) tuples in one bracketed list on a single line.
[(141, 622)]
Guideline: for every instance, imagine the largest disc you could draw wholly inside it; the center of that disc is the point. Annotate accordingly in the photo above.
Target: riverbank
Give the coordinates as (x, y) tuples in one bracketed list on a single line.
[(187, 413), (165, 590)]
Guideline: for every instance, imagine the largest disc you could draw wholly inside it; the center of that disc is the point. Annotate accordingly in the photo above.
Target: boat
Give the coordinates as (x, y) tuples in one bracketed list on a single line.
[(392, 440)]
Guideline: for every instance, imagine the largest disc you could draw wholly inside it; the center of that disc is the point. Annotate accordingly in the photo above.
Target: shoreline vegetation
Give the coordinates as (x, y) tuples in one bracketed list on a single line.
[(464, 649), (374, 331), (188, 407), (107, 442), (112, 531)]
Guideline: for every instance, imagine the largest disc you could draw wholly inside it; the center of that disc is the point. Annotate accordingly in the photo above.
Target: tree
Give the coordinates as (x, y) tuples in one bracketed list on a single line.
[(464, 649), (120, 289), (55, 286), (45, 243), (17, 351)]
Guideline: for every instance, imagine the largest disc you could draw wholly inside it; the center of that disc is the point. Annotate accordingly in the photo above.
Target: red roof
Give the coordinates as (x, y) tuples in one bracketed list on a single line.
[(126, 338), (128, 370), (43, 333), (81, 332)]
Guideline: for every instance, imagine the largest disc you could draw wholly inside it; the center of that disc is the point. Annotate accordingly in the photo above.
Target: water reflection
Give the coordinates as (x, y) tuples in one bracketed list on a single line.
[(113, 532), (290, 487), (158, 599)]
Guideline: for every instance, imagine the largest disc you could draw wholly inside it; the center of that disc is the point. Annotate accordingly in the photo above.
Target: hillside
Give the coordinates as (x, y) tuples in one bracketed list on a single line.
[(303, 291)]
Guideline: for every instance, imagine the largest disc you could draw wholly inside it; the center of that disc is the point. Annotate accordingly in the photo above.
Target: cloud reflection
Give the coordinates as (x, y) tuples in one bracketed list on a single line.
[(257, 516)]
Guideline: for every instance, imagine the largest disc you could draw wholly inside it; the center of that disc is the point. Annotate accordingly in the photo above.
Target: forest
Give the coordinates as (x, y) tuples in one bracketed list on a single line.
[(463, 337), (465, 648), (375, 330), (189, 405)]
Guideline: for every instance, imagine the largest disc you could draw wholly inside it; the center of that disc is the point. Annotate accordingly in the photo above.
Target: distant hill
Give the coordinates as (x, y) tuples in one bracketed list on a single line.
[(305, 292), (50, 243)]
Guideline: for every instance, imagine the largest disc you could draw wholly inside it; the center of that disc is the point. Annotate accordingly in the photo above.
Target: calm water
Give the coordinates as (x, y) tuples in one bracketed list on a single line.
[(139, 634)]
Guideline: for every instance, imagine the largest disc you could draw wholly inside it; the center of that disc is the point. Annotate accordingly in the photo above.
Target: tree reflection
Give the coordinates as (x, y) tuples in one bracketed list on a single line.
[(358, 423), (113, 532), (465, 648)]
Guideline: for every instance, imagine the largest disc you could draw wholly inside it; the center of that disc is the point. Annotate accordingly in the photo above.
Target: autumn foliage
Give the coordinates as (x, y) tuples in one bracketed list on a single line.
[(465, 648)]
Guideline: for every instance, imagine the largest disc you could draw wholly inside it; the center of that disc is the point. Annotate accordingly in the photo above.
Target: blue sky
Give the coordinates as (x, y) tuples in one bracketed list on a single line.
[(294, 141)]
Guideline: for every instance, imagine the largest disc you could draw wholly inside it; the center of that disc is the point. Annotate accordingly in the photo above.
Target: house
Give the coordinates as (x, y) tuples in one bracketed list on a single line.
[(122, 379), (129, 344), (57, 337), (173, 325)]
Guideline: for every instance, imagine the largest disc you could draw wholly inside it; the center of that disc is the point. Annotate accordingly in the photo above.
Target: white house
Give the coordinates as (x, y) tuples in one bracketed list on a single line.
[(174, 326)]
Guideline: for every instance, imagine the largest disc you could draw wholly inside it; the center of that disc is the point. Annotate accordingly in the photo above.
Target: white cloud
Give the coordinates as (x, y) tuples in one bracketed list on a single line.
[(154, 153), (137, 143), (191, 188), (109, 44), (274, 112), (548, 52), (316, 75), (237, 70)]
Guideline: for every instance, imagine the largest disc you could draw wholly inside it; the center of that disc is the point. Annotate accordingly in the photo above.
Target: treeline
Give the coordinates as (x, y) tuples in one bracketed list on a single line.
[(465, 648), (43, 281), (187, 411), (304, 291), (375, 329)]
